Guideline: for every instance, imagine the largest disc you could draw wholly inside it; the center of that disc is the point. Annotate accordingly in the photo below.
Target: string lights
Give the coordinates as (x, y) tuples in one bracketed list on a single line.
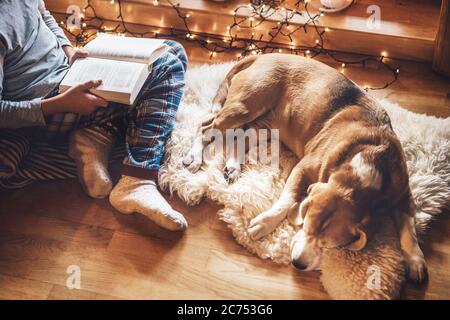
[(287, 22)]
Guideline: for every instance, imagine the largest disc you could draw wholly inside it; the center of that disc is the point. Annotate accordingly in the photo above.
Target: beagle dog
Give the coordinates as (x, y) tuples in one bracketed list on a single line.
[(352, 167)]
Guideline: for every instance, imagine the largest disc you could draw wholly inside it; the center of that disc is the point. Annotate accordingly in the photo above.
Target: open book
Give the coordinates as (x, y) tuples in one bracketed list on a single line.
[(122, 63)]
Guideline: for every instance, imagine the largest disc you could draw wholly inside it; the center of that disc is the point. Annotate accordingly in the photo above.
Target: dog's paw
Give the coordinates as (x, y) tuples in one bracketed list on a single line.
[(257, 231), (417, 268), (192, 161), (260, 227), (231, 172)]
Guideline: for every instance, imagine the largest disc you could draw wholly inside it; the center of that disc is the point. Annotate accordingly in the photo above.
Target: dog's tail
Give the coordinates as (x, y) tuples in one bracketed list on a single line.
[(222, 93)]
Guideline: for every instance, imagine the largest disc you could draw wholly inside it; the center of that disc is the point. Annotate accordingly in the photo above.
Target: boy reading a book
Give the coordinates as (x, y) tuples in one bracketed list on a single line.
[(35, 55)]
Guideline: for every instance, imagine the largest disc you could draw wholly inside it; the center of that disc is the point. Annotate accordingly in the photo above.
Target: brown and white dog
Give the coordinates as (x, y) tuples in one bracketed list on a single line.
[(352, 167)]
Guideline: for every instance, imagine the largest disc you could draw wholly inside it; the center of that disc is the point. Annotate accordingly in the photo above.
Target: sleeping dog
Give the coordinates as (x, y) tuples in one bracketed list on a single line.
[(352, 167)]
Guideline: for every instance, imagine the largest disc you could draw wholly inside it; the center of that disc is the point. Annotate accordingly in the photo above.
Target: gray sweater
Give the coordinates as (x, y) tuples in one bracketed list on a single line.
[(32, 61)]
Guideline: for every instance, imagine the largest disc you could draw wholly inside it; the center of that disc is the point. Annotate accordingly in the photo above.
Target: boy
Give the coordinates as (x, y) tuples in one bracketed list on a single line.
[(35, 55)]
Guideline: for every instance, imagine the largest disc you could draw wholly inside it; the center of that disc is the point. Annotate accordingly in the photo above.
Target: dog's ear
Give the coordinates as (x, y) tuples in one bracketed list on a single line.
[(294, 216), (360, 242), (360, 234), (297, 212)]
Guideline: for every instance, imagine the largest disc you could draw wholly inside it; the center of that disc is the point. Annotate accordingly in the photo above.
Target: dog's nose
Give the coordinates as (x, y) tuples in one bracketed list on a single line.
[(299, 265)]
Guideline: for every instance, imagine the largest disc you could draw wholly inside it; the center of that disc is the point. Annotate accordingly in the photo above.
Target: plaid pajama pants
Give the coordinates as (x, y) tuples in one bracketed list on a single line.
[(148, 123)]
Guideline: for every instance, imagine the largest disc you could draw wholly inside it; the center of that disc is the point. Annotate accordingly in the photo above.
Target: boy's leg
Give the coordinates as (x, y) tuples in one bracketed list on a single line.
[(151, 122), (149, 125), (90, 148), (90, 141)]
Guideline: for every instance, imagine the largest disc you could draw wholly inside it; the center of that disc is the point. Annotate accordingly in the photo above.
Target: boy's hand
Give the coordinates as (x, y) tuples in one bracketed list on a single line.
[(77, 99), (74, 54)]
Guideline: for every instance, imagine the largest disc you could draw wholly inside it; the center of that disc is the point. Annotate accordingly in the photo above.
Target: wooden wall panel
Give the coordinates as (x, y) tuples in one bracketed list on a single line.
[(411, 38), (441, 61)]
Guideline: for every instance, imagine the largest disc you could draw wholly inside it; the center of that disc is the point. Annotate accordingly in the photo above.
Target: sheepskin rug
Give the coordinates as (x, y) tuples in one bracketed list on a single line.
[(344, 274)]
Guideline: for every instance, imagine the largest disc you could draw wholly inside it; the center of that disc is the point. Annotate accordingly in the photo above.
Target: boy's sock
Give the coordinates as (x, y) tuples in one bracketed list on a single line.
[(140, 195), (90, 148)]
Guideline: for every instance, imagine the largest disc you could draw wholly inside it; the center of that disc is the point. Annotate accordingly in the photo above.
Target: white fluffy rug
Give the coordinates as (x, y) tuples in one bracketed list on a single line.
[(345, 275)]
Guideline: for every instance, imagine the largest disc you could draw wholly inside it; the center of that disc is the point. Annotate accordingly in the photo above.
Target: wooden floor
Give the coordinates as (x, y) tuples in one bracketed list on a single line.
[(46, 227)]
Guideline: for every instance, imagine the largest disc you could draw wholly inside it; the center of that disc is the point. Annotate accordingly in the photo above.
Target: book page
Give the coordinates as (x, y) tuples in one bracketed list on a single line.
[(119, 76), (124, 48)]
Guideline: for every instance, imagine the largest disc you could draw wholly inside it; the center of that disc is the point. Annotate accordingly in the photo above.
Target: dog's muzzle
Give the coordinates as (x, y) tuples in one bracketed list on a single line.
[(304, 253)]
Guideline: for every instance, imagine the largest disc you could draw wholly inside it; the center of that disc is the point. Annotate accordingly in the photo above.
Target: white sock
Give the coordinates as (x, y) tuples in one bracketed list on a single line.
[(139, 195), (90, 148)]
